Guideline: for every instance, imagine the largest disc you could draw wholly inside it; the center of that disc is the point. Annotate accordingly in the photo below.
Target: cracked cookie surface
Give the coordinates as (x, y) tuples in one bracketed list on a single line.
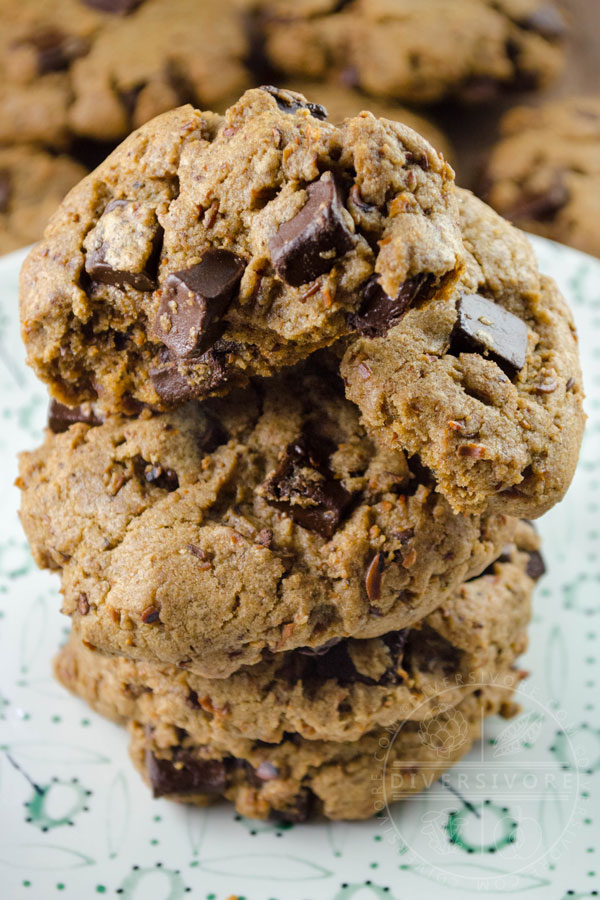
[(485, 389), (206, 249), (263, 521)]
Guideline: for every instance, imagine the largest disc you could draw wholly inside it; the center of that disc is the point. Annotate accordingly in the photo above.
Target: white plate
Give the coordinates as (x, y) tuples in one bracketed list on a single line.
[(76, 821)]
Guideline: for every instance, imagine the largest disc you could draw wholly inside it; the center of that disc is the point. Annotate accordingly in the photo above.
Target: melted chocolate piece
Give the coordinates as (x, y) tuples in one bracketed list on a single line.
[(193, 300), (542, 207), (486, 328), (309, 244), (117, 7), (304, 487), (96, 262), (55, 49), (289, 103), (61, 417), (379, 312), (185, 774), (546, 20), (5, 190), (536, 567), (174, 388)]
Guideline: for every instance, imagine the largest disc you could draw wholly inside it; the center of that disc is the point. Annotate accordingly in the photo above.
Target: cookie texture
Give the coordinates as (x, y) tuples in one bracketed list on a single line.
[(342, 690), (32, 184), (263, 521), (407, 49), (297, 779), (544, 173), (206, 249), (485, 389), (67, 69)]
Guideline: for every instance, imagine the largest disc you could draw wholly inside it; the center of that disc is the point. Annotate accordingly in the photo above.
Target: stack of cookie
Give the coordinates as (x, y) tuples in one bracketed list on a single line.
[(305, 391)]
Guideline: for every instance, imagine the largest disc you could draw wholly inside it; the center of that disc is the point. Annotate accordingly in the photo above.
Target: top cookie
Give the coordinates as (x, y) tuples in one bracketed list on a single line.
[(68, 68), (485, 388), (544, 173), (205, 250), (418, 51)]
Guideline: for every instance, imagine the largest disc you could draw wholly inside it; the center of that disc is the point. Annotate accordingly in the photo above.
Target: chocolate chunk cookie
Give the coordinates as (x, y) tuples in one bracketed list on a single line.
[(418, 51), (297, 779), (485, 390), (341, 690), (99, 68), (32, 184), (205, 249), (544, 173), (264, 521)]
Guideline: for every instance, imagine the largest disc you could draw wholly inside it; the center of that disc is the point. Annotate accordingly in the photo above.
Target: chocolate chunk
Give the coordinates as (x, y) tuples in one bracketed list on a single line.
[(162, 478), (378, 312), (426, 650), (5, 190), (304, 486), (150, 614), (193, 300), (117, 7), (185, 774), (546, 20), (61, 417), (543, 206), (125, 231), (485, 327), (55, 49), (170, 385), (310, 244), (536, 567), (373, 577), (298, 811), (289, 102)]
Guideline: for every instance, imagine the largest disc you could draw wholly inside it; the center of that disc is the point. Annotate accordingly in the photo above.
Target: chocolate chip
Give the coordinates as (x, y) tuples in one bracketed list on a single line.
[(193, 300), (55, 49), (373, 577), (83, 606), (304, 487), (546, 20), (150, 614), (379, 312), (290, 102), (60, 417), (162, 478), (185, 774), (297, 811), (5, 189), (117, 7), (485, 327), (170, 385), (309, 244), (536, 567), (124, 230)]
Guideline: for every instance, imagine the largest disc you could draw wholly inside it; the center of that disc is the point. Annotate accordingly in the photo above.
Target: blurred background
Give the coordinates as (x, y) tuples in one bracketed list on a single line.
[(507, 90)]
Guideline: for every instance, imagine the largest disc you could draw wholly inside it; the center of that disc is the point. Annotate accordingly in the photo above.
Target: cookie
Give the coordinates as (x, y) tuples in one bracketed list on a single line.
[(544, 173), (485, 389), (263, 521), (417, 51), (342, 690), (32, 184), (205, 249), (67, 69), (343, 102), (297, 779)]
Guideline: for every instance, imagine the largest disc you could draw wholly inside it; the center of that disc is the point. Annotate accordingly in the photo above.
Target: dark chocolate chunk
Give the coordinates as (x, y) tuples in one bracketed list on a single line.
[(536, 567), (485, 327), (426, 650), (55, 49), (185, 774), (60, 417), (193, 300), (546, 20), (5, 190), (373, 577), (304, 486), (297, 811), (100, 269), (289, 102), (543, 206), (378, 312), (170, 385), (310, 244), (117, 7), (162, 478)]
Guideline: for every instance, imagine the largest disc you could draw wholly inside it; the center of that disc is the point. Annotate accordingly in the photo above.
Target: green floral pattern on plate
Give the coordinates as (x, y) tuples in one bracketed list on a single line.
[(75, 819)]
